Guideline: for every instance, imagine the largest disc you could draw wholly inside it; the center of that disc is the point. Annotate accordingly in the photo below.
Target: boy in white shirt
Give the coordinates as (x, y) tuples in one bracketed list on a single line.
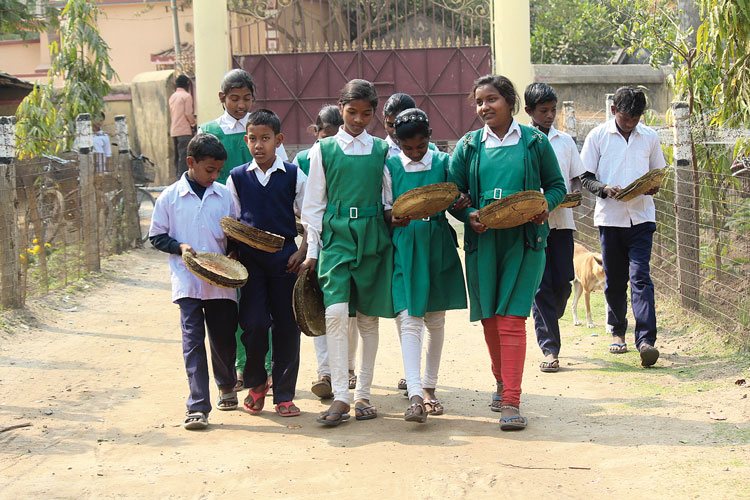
[(554, 290), (186, 219), (615, 154)]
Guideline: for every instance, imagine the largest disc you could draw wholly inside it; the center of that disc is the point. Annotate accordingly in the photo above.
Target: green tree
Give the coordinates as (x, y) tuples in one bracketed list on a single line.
[(570, 32), (22, 18), (46, 119)]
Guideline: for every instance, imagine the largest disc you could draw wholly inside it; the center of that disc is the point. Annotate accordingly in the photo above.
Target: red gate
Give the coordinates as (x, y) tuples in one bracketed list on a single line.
[(430, 49)]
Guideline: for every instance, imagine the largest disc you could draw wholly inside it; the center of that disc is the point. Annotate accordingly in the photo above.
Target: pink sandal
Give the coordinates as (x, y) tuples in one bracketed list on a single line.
[(256, 396), (287, 405)]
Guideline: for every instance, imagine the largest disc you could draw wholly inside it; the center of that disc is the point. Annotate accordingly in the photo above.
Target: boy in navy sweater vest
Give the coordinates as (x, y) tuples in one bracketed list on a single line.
[(268, 193)]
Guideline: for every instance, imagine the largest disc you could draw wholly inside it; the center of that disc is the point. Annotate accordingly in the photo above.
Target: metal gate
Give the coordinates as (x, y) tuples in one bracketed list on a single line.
[(302, 52)]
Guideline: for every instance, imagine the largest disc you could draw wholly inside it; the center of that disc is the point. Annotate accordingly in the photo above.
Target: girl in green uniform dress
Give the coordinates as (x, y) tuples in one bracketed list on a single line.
[(327, 124), (349, 242), (237, 95), (427, 275), (504, 266)]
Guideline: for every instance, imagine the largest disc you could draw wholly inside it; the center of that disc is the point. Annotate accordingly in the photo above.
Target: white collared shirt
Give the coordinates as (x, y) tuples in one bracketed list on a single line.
[(393, 148), (316, 196), (265, 177), (617, 162), (231, 125), (179, 213), (512, 137), (571, 168), (422, 165)]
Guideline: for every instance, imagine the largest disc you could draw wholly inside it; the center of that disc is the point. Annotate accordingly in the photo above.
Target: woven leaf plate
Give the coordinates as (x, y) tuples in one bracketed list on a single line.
[(307, 301), (252, 236), (217, 269), (425, 201), (513, 210)]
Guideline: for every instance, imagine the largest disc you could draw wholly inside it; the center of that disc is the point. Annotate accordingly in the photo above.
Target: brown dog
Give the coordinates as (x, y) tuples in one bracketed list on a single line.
[(589, 277)]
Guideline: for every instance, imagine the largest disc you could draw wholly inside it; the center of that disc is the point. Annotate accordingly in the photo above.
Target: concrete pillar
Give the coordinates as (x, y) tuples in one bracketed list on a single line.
[(511, 45), (212, 55)]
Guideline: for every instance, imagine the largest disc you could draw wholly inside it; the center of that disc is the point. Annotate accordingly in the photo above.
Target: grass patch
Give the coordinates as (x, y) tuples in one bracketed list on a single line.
[(732, 433)]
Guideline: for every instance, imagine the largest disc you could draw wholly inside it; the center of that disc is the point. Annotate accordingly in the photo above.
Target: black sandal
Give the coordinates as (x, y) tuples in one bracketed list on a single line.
[(411, 415)]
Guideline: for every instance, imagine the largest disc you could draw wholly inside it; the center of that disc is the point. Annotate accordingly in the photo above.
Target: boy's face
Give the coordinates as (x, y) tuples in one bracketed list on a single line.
[(415, 147), (390, 126), (97, 125), (204, 172), (625, 121), (237, 102), (262, 143), (544, 113)]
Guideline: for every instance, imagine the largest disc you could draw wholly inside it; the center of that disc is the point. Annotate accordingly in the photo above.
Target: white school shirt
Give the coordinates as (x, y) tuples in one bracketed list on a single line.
[(179, 213), (615, 161), (512, 137), (231, 125), (265, 177), (422, 165), (316, 196), (393, 148), (571, 167)]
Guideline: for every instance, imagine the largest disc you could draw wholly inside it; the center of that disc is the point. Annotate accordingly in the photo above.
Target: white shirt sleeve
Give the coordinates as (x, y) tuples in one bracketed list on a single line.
[(387, 189), (299, 196), (107, 147), (590, 152), (281, 153), (656, 158), (315, 202), (235, 197), (160, 215), (576, 164)]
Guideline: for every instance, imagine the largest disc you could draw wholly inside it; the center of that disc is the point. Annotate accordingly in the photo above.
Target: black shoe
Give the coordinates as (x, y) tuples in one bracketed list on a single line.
[(649, 354)]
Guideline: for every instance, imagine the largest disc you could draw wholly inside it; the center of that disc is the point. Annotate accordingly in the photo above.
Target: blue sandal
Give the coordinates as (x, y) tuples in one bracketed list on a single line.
[(332, 423), (512, 423), (616, 348), (496, 398)]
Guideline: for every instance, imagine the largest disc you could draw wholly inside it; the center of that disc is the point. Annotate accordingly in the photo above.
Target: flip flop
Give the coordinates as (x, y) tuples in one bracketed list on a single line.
[(434, 407), (227, 402), (195, 420), (256, 396), (322, 388), (512, 423), (616, 348), (401, 384), (496, 398), (550, 366), (411, 416), (332, 423), (287, 405), (353, 382), (361, 415), (649, 355)]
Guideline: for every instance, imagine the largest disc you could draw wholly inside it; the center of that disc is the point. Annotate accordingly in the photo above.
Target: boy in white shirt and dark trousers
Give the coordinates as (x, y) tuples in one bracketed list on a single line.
[(615, 154), (186, 219), (554, 290)]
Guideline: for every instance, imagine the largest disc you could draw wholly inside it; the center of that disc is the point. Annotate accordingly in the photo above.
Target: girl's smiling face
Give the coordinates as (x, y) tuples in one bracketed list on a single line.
[(415, 147), (357, 116), (237, 102), (492, 107)]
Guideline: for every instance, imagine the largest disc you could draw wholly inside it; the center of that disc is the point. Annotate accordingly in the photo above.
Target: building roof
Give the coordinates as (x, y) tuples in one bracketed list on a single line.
[(10, 81)]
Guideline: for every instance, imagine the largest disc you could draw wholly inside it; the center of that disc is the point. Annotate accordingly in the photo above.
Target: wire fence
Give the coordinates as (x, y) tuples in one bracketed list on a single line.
[(60, 214)]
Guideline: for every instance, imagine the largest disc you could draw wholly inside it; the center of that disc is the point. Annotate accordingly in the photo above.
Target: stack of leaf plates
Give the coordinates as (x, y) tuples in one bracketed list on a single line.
[(252, 236), (307, 301), (300, 227), (217, 269), (571, 200), (642, 184), (513, 210), (425, 201)]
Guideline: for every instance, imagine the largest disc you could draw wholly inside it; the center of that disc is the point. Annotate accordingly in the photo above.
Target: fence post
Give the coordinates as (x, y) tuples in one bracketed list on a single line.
[(89, 213), (609, 101), (569, 118), (688, 263), (125, 174), (11, 291)]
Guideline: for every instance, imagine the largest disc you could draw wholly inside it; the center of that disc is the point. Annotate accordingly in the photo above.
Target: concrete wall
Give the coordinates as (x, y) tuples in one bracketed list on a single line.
[(588, 85), (151, 93)]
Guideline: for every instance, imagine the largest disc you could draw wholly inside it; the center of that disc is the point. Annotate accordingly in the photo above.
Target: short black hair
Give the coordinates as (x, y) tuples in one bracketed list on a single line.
[(206, 146), (411, 123), (504, 87), (359, 90), (182, 82), (328, 115), (237, 79), (630, 100), (538, 93), (265, 117), (397, 103)]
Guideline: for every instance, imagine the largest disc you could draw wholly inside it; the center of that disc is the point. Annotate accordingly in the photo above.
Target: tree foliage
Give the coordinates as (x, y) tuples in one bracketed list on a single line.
[(570, 32), (22, 18)]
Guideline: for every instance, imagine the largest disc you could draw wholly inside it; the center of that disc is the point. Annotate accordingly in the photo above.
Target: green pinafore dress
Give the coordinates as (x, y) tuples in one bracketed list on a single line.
[(427, 274), (503, 273), (237, 151), (303, 161), (356, 259)]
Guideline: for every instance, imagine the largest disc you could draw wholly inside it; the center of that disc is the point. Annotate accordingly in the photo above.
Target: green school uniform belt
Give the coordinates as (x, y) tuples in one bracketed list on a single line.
[(492, 194), (433, 218), (354, 212)]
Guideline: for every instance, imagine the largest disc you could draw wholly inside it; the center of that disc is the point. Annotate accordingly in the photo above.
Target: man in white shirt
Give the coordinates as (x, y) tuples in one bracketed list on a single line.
[(615, 154), (554, 290)]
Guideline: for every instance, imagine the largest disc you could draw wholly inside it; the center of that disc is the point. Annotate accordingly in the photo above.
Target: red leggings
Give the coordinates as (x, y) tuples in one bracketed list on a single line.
[(506, 341)]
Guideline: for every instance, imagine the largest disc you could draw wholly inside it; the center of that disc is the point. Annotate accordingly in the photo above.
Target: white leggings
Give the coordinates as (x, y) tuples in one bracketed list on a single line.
[(321, 350), (337, 337), (411, 330)]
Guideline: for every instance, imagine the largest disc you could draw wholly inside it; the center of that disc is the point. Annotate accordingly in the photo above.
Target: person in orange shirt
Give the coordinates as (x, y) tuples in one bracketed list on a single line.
[(182, 122)]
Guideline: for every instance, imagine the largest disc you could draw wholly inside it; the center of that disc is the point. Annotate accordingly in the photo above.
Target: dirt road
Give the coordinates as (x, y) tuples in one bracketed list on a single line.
[(99, 376)]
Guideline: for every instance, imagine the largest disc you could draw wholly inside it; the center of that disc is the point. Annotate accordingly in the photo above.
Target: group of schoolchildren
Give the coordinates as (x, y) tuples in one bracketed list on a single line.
[(370, 264)]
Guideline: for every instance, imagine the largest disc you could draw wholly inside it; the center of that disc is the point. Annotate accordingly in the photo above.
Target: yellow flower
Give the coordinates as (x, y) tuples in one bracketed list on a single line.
[(35, 241), (36, 249), (47, 245), (23, 259)]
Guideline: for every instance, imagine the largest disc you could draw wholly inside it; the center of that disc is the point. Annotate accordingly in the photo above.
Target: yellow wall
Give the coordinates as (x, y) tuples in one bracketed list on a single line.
[(21, 60), (212, 56), (511, 46)]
